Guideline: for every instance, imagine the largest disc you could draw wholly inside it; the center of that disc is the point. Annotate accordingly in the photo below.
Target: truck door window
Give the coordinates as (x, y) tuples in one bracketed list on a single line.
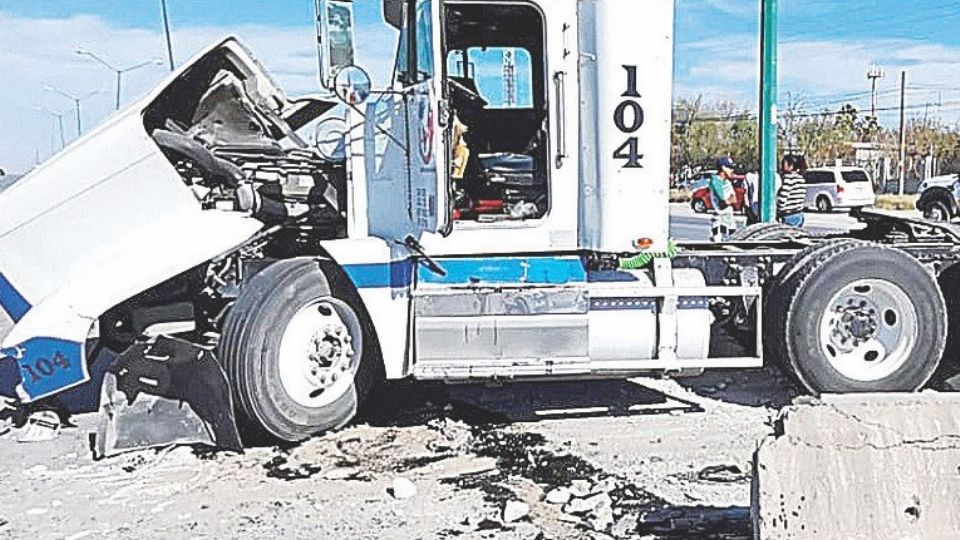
[(421, 34), (424, 41), (496, 86)]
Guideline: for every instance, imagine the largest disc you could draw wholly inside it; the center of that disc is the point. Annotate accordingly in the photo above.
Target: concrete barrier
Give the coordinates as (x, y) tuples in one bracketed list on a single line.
[(861, 467)]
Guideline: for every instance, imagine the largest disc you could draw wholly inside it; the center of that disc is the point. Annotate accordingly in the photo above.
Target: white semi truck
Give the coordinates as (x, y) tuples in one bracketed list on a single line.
[(498, 213)]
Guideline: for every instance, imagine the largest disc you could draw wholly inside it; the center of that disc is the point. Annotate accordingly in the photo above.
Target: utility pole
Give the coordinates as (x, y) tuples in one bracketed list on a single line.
[(903, 132), (166, 31), (874, 74), (768, 111)]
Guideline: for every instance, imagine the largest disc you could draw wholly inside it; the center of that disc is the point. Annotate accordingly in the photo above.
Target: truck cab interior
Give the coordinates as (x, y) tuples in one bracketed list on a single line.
[(496, 88)]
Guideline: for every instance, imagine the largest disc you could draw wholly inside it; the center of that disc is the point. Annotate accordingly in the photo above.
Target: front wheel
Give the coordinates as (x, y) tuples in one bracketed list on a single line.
[(858, 317), (299, 352)]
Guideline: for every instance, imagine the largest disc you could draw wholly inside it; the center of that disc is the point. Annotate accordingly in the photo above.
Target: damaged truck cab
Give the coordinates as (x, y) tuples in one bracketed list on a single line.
[(499, 212)]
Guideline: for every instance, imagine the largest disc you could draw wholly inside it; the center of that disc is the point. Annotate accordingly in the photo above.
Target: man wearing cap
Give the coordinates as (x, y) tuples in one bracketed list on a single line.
[(724, 197)]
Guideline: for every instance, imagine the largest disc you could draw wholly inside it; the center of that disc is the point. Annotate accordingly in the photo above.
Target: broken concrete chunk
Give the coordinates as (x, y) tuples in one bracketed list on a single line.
[(601, 517), (402, 488), (589, 505), (605, 486), (625, 525), (515, 511), (581, 488), (578, 507), (560, 495), (886, 468)]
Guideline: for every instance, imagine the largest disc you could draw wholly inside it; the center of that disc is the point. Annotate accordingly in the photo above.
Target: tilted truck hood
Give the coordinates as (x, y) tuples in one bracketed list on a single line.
[(107, 218)]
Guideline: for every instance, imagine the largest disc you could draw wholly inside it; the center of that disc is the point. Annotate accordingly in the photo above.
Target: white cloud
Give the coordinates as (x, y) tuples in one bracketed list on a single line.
[(38, 52), (825, 73)]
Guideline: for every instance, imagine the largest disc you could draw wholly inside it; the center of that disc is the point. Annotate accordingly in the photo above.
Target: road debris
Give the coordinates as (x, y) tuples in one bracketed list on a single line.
[(401, 489), (559, 495), (515, 511), (40, 426), (724, 474)]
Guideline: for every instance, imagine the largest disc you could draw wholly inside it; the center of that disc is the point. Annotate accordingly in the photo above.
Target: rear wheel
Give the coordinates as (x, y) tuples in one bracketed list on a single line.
[(937, 211), (846, 317), (699, 206), (299, 352), (824, 204)]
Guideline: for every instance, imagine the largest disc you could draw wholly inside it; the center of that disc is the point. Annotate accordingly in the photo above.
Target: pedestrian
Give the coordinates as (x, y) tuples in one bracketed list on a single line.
[(724, 198), (751, 204), (792, 195)]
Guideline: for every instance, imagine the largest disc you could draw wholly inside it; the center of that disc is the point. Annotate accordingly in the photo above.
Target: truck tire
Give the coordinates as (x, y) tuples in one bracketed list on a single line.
[(299, 351), (846, 317), (763, 232)]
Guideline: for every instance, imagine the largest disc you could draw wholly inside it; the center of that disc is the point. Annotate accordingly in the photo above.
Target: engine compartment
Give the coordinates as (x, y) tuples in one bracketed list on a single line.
[(233, 138)]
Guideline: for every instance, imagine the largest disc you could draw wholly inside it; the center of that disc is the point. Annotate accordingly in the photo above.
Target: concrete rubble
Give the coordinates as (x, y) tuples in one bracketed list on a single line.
[(401, 488), (515, 511), (861, 467)]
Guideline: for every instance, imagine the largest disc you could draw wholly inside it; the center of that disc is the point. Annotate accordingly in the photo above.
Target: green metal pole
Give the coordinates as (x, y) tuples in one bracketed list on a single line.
[(768, 110)]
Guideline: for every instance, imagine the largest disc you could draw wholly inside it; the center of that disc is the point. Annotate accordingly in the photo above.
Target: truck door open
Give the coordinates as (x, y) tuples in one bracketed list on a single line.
[(406, 145)]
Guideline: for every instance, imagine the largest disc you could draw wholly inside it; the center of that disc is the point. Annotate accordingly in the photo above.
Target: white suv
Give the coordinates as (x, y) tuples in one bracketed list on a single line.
[(838, 187)]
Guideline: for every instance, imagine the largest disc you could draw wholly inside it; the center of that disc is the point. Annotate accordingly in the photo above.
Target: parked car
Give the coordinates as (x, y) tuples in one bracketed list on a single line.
[(702, 202), (696, 181), (838, 187), (938, 197)]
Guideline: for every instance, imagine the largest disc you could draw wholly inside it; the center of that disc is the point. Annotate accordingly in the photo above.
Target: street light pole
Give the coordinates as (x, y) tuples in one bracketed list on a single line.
[(873, 75), (59, 117), (76, 101), (118, 71), (166, 31)]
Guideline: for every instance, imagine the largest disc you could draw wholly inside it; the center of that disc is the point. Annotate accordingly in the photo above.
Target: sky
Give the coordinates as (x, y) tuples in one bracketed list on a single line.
[(826, 49)]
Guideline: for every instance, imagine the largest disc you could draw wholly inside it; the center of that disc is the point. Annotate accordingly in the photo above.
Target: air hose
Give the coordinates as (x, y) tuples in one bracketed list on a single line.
[(641, 260)]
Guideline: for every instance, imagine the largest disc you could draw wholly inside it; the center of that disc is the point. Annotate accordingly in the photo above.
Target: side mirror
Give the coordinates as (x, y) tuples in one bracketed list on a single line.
[(352, 85), (334, 38)]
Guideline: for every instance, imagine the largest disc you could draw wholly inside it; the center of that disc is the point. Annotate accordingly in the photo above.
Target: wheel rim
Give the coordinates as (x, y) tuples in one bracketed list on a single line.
[(823, 205), (937, 213), (868, 330), (699, 206), (319, 352)]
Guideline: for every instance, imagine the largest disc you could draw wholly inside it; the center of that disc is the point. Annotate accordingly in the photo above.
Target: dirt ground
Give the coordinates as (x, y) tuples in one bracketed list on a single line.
[(646, 458)]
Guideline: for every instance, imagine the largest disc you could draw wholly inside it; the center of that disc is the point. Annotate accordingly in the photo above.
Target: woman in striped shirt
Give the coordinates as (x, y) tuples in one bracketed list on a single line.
[(792, 196)]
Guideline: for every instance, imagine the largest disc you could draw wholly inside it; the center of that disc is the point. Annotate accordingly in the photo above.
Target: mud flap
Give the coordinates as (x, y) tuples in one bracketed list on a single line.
[(165, 392)]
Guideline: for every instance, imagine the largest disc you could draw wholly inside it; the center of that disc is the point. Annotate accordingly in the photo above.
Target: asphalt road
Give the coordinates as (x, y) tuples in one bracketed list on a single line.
[(687, 225)]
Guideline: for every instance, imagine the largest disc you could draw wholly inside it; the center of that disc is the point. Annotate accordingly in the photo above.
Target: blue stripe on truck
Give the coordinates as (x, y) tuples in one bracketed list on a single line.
[(12, 301), (464, 271)]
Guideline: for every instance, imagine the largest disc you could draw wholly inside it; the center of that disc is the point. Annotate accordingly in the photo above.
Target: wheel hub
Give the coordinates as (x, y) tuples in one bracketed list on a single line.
[(869, 329), (328, 355), (319, 352), (854, 324)]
